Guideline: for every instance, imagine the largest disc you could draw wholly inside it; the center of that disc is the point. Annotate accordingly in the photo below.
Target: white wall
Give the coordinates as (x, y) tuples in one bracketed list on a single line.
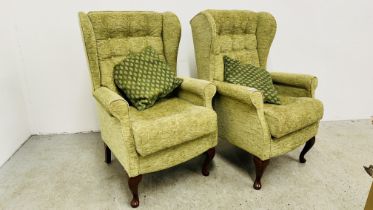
[(331, 39), (14, 125)]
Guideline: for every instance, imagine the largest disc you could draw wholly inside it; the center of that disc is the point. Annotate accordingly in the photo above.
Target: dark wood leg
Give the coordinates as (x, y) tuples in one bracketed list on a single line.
[(307, 147), (133, 184), (209, 156), (260, 166), (107, 154)]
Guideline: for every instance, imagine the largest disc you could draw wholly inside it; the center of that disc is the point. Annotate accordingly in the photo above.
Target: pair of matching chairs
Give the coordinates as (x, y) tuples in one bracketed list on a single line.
[(184, 126)]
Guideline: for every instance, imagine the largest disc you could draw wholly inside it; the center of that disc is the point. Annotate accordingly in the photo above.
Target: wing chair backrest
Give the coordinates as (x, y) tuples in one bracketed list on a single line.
[(240, 34), (110, 36)]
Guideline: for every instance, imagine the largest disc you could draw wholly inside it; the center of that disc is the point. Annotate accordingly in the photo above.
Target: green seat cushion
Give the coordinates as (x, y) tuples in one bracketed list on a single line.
[(292, 115), (144, 78), (251, 76), (169, 123)]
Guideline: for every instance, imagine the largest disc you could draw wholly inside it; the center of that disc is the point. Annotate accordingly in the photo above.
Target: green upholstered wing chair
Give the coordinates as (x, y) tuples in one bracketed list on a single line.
[(171, 132), (264, 130)]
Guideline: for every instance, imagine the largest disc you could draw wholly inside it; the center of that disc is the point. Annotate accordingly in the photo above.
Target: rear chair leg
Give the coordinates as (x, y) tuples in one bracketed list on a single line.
[(307, 147), (209, 156), (107, 154)]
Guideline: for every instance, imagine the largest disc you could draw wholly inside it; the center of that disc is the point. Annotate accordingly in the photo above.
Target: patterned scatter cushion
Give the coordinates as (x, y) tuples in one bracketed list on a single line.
[(144, 78), (251, 76)]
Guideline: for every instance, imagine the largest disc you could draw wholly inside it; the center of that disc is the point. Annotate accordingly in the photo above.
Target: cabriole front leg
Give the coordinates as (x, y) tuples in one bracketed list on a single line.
[(307, 147), (260, 166), (133, 184)]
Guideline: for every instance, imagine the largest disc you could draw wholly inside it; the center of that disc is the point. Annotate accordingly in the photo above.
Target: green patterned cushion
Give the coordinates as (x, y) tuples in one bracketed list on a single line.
[(251, 76), (144, 78)]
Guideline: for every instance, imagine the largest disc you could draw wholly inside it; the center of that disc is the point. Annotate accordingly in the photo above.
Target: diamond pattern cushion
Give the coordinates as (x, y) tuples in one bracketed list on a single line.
[(294, 114), (169, 123), (144, 78), (251, 76)]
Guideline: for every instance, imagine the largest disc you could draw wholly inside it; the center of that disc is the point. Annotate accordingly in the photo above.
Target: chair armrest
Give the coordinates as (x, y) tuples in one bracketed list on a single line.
[(198, 92), (112, 102), (240, 112), (117, 135), (307, 82), (247, 95)]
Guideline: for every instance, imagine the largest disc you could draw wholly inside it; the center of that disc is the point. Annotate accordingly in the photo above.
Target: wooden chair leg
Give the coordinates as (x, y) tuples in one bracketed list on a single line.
[(107, 154), (133, 184), (209, 156), (307, 147), (260, 166)]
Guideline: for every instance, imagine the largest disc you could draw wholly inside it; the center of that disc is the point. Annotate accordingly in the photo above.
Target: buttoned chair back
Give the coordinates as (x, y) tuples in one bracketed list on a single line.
[(110, 36), (239, 34)]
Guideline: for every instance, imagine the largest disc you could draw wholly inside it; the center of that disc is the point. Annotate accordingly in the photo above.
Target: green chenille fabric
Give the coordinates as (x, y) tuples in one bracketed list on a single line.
[(264, 130), (144, 78), (239, 34), (294, 114), (165, 134), (297, 85), (153, 128), (251, 76)]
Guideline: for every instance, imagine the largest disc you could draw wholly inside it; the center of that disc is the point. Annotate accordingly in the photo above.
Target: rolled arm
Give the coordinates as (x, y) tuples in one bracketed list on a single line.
[(241, 115), (307, 82), (118, 136), (248, 95), (198, 92), (112, 102)]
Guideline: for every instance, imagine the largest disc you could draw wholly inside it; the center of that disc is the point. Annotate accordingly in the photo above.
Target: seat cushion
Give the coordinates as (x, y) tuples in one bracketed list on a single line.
[(168, 123), (293, 114)]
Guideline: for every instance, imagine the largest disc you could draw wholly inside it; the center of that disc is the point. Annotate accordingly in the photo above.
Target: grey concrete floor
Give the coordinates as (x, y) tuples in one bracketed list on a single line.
[(68, 172)]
